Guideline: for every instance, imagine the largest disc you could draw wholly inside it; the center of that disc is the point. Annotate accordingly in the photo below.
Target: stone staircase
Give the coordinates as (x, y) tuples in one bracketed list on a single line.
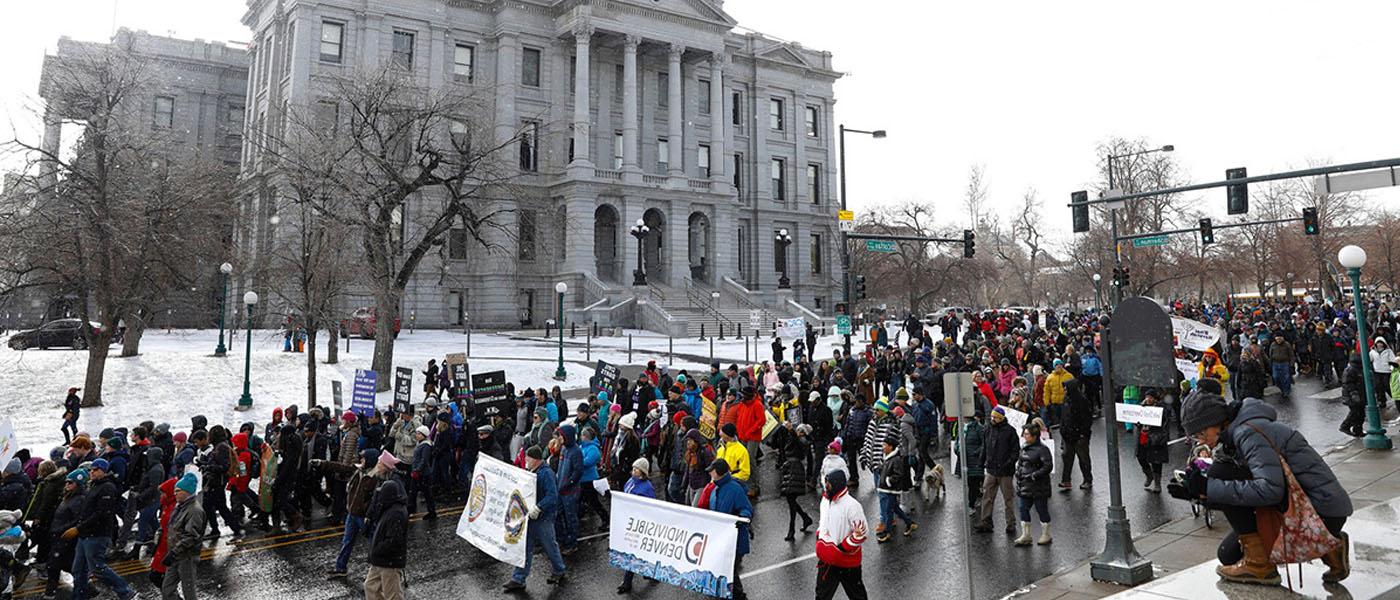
[(693, 303)]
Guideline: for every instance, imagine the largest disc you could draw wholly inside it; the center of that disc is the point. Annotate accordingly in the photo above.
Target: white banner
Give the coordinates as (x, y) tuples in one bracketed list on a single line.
[(1187, 368), (672, 543), (1049, 441), (1016, 418), (792, 328), (498, 510), (1194, 335), (1137, 413), (9, 442)]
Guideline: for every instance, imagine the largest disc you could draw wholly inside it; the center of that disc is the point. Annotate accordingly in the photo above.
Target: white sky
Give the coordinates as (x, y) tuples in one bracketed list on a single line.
[(1026, 88)]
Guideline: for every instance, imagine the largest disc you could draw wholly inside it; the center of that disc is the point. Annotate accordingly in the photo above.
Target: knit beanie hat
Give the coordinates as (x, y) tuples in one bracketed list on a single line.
[(729, 429), (189, 483), (388, 460), (535, 452), (78, 476), (642, 465), (901, 394), (1202, 411), (882, 404)]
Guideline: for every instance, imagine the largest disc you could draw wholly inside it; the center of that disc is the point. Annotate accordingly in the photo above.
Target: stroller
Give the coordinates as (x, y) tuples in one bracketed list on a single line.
[(1177, 486)]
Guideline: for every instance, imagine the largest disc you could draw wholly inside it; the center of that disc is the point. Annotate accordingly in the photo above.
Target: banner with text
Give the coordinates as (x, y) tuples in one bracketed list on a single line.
[(672, 543), (1187, 368), (403, 389), (461, 379), (489, 395), (1137, 413), (605, 375), (792, 328), (362, 394), (498, 510), (1194, 335), (9, 442)]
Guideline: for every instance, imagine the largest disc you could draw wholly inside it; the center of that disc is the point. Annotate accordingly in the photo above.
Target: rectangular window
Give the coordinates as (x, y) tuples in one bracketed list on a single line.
[(814, 183), (663, 89), (403, 50), (527, 235), (736, 108), (530, 67), (775, 114), (332, 41), (457, 305), (817, 250), (529, 147), (619, 144), (164, 117), (288, 45), (235, 116), (461, 136), (704, 97), (573, 73), (738, 172), (462, 62), (457, 244), (663, 155), (743, 242), (779, 179), (702, 160), (811, 117)]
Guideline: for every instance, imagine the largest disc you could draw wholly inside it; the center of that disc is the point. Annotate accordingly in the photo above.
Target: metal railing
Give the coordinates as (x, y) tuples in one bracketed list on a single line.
[(700, 297)]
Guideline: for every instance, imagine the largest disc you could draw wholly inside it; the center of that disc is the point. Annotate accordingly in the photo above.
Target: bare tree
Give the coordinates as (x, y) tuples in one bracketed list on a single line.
[(1023, 252), (920, 271)]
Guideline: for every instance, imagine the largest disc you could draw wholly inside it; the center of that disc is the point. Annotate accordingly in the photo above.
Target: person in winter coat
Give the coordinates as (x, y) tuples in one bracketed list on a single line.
[(854, 426), (242, 501), (1281, 359), (589, 500), (287, 479), (375, 467), (1075, 432), (1001, 451), (833, 461), (401, 432), (892, 480), (97, 522), (840, 533), (749, 428), (15, 487), (183, 533), (724, 495), (420, 476), (540, 532), (1248, 473), (639, 484), (61, 550), (215, 457), (881, 427), (47, 496), (1055, 392), (1152, 445), (388, 547), (734, 453), (793, 486), (1381, 358), (167, 508), (1033, 484), (626, 449), (1354, 396), (974, 462), (72, 408), (1253, 377), (698, 455), (145, 498), (570, 479)]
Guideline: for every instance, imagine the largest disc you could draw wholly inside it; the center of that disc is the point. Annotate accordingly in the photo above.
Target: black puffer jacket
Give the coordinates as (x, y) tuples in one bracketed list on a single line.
[(1079, 413), (389, 546), (15, 491), (1000, 449), (1033, 471), (794, 481)]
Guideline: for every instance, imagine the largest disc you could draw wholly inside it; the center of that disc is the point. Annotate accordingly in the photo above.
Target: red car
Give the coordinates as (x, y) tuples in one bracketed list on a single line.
[(363, 323)]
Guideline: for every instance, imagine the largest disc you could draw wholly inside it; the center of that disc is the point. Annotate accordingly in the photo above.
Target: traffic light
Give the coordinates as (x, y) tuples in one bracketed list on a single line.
[(1124, 282), (860, 287), (1237, 196), (1207, 232), (1310, 223), (969, 243), (1080, 211)]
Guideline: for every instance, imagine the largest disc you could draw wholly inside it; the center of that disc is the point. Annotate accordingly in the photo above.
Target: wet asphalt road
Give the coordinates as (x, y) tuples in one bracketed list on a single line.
[(929, 564)]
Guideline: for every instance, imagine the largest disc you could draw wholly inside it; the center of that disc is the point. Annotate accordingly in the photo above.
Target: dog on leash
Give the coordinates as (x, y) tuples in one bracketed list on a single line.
[(934, 488)]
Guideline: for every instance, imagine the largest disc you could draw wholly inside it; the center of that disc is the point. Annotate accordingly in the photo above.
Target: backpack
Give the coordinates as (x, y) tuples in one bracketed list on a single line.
[(255, 444), (236, 467)]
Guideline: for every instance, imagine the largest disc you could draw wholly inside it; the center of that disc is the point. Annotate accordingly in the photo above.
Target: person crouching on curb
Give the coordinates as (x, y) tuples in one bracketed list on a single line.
[(1247, 474)]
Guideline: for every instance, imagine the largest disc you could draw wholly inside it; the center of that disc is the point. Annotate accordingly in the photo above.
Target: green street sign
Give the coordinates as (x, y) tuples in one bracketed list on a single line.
[(886, 246), (1148, 242), (843, 324)]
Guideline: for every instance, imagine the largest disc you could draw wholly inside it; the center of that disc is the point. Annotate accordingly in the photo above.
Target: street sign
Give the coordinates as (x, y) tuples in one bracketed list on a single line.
[(843, 324), (847, 220), (1148, 242), (1353, 182), (756, 319), (886, 246)]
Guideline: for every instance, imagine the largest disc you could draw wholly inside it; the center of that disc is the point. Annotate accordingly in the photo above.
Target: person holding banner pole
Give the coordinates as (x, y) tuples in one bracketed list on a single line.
[(540, 531), (725, 495)]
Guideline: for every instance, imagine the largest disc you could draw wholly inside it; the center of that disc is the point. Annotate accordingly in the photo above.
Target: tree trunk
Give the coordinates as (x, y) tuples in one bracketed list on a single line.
[(99, 347), (386, 313), (131, 340), (333, 343), (311, 332)]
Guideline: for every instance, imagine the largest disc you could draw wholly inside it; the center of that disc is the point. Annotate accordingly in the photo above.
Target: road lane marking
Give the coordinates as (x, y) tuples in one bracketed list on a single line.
[(791, 561)]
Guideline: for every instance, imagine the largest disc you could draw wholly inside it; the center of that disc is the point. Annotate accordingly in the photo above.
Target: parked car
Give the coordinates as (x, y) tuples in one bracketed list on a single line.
[(363, 322), (63, 333)]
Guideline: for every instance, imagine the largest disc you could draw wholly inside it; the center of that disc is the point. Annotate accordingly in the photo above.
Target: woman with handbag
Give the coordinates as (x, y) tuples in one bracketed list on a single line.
[(1282, 501)]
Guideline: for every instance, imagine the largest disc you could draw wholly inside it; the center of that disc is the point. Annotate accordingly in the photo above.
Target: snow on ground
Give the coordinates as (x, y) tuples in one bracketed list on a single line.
[(176, 375)]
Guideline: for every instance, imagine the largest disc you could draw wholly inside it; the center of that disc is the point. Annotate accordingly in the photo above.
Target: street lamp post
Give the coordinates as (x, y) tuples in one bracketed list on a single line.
[(639, 231), (784, 240), (559, 373), (1353, 258), (714, 303), (878, 134), (226, 269), (245, 402), (1098, 292)]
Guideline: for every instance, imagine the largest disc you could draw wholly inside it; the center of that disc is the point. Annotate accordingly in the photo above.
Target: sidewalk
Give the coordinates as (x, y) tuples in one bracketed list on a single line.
[(1183, 551)]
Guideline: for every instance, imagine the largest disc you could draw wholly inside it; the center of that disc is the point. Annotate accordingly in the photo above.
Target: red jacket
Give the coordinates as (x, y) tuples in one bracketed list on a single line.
[(749, 418), (245, 460), (167, 508)]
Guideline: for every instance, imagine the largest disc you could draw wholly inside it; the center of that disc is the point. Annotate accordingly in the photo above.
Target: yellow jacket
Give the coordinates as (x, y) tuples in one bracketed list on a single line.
[(1055, 386), (737, 456)]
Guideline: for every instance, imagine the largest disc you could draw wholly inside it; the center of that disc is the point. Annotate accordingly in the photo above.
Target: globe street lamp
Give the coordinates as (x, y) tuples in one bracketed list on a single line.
[(245, 402), (220, 350), (1353, 258), (783, 240), (639, 231), (714, 303), (559, 373), (1098, 291)]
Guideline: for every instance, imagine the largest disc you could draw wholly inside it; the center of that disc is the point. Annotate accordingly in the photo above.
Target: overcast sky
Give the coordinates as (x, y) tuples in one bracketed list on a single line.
[(1026, 88)]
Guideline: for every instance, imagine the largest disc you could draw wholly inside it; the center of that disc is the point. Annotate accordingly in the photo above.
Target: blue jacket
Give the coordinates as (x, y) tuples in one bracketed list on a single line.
[(694, 402), (182, 458), (546, 493), (639, 487), (591, 454), (1091, 365), (570, 462), (553, 412), (1266, 487), (729, 498)]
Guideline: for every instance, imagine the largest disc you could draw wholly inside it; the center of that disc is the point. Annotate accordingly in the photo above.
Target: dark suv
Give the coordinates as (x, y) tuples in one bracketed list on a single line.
[(63, 333)]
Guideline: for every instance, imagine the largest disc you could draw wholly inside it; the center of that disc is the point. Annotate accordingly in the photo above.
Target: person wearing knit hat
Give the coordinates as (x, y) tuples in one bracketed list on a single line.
[(539, 535), (883, 404), (93, 532), (183, 539), (420, 473), (1001, 449), (901, 395)]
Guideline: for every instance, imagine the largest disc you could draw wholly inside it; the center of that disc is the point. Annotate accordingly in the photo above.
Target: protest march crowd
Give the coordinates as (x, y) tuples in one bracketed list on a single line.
[(828, 425)]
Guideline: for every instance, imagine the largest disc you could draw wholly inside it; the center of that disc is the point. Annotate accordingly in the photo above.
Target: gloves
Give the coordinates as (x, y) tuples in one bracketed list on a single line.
[(534, 511), (1196, 483), (315, 463), (71, 533)]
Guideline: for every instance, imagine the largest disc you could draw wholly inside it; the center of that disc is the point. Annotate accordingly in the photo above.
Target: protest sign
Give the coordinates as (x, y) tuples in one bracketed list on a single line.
[(672, 543), (498, 510), (1194, 335), (362, 395), (1187, 368), (1015, 418), (604, 376), (489, 395), (461, 379), (9, 442), (403, 389), (1137, 413)]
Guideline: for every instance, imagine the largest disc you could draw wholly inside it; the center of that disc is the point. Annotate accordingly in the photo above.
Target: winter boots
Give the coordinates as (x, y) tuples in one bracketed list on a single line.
[(1044, 534), (1156, 486), (882, 534), (1255, 568), (1338, 561), (1025, 539)]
